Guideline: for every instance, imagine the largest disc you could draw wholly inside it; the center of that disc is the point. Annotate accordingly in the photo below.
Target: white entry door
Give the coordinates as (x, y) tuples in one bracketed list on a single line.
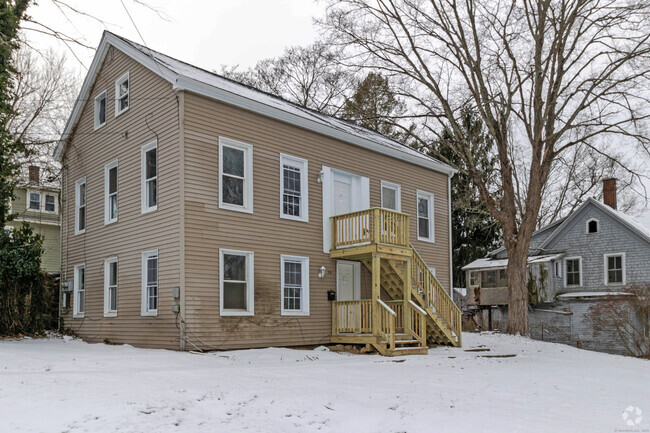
[(348, 281), (342, 193)]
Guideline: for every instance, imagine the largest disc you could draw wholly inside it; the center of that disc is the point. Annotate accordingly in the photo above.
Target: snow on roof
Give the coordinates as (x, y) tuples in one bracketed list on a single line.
[(186, 76), (592, 294), (488, 263), (632, 221)]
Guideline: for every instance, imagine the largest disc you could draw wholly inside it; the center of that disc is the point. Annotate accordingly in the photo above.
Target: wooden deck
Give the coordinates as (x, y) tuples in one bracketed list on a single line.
[(420, 311)]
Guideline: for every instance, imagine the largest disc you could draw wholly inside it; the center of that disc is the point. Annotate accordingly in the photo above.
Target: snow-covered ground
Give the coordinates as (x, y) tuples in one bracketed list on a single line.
[(56, 385)]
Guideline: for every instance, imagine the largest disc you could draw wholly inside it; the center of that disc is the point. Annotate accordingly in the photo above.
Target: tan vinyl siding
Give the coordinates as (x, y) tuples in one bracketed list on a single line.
[(153, 114), (208, 228)]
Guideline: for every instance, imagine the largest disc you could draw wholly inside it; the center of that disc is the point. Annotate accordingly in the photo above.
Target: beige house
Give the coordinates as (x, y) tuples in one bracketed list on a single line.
[(201, 213)]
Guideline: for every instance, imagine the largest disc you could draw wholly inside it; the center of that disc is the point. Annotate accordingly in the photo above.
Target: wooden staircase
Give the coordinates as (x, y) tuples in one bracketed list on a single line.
[(420, 312)]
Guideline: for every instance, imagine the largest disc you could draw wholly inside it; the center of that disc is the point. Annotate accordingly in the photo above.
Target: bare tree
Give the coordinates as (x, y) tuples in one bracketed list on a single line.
[(310, 76), (42, 98), (543, 75)]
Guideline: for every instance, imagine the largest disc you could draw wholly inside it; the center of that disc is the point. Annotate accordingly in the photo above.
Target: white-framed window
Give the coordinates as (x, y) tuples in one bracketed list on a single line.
[(558, 269), (236, 283), (34, 201), (573, 271), (593, 226), (110, 287), (294, 190), (80, 206), (391, 196), (235, 175), (110, 192), (122, 94), (100, 110), (614, 269), (79, 307), (50, 203), (295, 285), (149, 189), (474, 278), (149, 283), (425, 216)]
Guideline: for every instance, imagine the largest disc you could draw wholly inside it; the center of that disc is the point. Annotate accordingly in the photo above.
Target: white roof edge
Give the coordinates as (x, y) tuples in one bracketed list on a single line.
[(489, 264), (195, 86), (181, 82)]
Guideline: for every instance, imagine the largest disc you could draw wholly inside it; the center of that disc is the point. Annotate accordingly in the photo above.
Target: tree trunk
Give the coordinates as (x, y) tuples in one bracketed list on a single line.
[(517, 292)]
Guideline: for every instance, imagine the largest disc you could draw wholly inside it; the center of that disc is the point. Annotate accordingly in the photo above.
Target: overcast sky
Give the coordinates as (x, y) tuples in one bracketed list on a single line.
[(204, 33)]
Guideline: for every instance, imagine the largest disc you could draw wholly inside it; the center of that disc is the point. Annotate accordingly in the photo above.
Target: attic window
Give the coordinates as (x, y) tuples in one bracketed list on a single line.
[(100, 110), (122, 94), (593, 226)]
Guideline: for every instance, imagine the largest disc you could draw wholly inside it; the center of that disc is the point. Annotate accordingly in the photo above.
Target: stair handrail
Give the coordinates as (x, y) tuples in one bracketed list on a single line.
[(439, 297), (389, 333)]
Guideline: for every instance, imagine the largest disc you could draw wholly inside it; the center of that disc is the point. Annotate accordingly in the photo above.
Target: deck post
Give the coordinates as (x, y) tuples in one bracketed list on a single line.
[(407, 295), (376, 225), (376, 288), (335, 319), (334, 233)]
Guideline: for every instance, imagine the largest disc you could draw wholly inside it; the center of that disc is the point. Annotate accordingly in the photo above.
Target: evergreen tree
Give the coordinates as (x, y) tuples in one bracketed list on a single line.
[(474, 231)]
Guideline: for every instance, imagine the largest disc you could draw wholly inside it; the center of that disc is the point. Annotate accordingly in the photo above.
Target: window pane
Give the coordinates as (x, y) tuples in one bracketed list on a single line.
[(112, 298), (124, 103), (112, 180), (112, 201), (423, 207), (112, 274), (82, 218), (152, 270), (82, 194), (124, 87), (234, 267), (234, 295), (150, 164), (388, 199), (152, 297), (34, 201), (102, 110), (233, 161), (233, 190), (423, 227), (292, 285), (82, 301), (50, 203), (152, 193)]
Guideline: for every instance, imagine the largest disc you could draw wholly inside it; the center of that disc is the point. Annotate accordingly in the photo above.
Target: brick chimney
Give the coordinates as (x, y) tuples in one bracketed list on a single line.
[(609, 192), (34, 174)]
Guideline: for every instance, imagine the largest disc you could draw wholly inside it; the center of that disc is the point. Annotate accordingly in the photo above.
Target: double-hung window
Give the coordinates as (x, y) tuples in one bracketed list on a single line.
[(50, 203), (110, 287), (236, 283), (614, 268), (573, 271), (80, 206), (295, 285), (100, 110), (150, 283), (149, 188), (79, 291), (122, 94), (390, 196), (110, 193), (235, 175), (425, 216), (293, 188), (35, 201)]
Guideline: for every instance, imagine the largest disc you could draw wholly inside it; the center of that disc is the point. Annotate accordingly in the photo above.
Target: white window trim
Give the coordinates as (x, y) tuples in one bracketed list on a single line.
[(248, 174), (75, 300), (303, 165), (250, 283), (56, 204), (107, 311), (119, 81), (29, 200), (304, 299), (587, 226), (398, 194), (144, 304), (107, 168), (98, 125), (566, 273), (77, 185), (430, 197), (477, 278), (606, 269), (144, 207)]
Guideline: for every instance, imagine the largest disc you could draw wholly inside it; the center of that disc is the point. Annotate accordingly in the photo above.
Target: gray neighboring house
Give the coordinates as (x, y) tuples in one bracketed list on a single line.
[(574, 262)]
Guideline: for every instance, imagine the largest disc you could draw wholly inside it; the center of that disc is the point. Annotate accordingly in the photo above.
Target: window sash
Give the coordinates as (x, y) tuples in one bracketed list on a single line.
[(150, 280), (235, 175), (81, 206), (425, 216), (236, 282), (100, 110), (111, 270), (293, 285), (291, 190), (573, 272), (149, 177), (390, 196), (122, 89), (50, 203), (80, 290), (34, 201), (615, 269)]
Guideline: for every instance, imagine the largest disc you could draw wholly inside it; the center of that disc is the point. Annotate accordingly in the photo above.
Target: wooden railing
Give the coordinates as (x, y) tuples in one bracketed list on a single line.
[(434, 294), (387, 318), (352, 317), (398, 307), (374, 225), (418, 325)]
